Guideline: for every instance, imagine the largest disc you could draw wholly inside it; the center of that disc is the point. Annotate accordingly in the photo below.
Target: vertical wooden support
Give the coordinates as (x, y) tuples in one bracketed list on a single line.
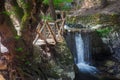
[(60, 32), (62, 26), (39, 31), (37, 36), (56, 28)]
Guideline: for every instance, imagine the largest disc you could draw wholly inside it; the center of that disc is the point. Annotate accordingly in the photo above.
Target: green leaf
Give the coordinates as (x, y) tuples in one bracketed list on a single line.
[(17, 37), (19, 49)]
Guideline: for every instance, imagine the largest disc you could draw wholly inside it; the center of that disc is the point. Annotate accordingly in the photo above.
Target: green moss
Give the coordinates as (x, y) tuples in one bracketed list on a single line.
[(65, 56), (17, 37), (6, 13), (18, 11), (25, 17), (104, 32), (46, 17), (20, 49), (110, 19)]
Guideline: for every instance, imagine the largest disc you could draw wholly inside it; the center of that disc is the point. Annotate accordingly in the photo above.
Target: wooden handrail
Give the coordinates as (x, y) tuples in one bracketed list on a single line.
[(54, 32)]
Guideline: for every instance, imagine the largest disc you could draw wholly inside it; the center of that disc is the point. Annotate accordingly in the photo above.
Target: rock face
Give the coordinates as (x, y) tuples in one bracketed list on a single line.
[(94, 3), (56, 61)]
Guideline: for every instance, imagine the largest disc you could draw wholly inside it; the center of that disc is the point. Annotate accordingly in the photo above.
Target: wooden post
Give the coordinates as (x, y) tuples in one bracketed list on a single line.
[(62, 27), (39, 30), (60, 32)]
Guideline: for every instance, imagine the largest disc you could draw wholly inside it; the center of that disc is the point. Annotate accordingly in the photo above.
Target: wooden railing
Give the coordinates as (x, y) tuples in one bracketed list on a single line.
[(50, 32)]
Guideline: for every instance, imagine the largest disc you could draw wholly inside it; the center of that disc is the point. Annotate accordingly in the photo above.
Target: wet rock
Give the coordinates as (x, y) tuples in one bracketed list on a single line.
[(109, 63), (118, 76), (111, 71)]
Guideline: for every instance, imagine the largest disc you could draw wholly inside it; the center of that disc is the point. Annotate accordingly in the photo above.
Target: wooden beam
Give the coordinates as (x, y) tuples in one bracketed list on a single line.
[(52, 33), (39, 30)]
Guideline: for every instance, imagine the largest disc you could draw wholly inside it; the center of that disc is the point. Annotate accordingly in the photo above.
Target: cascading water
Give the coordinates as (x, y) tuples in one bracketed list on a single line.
[(83, 58), (79, 43), (79, 48)]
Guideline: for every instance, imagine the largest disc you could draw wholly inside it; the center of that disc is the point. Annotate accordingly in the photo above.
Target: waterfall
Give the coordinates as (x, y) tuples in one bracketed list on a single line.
[(79, 48), (83, 57)]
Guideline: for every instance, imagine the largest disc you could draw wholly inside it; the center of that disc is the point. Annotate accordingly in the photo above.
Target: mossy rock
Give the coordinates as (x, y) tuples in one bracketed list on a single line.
[(110, 63), (97, 18), (64, 54)]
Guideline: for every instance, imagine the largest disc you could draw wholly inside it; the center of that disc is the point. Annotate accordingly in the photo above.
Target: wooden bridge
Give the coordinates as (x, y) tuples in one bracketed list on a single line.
[(49, 32)]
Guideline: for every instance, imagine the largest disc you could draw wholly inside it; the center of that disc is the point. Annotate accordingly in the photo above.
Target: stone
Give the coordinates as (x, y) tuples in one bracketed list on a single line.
[(109, 63), (118, 76), (111, 71)]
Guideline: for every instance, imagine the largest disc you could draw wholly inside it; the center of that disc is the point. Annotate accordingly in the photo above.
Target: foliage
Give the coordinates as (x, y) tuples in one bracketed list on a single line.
[(18, 11), (47, 17), (19, 49), (23, 4), (104, 32), (17, 37), (59, 4), (56, 2), (6, 13)]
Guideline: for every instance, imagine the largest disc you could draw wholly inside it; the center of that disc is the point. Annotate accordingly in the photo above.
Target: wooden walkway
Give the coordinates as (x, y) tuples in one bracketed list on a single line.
[(49, 32)]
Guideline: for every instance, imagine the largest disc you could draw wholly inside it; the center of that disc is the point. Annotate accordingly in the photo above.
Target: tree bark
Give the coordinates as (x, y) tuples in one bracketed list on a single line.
[(1, 10), (104, 3), (52, 9)]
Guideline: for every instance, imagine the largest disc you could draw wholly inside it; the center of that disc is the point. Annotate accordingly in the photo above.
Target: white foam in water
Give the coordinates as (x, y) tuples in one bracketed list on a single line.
[(81, 63), (86, 68)]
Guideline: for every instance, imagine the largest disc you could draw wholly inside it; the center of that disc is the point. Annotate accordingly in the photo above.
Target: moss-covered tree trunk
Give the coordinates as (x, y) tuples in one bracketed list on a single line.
[(52, 9), (19, 14)]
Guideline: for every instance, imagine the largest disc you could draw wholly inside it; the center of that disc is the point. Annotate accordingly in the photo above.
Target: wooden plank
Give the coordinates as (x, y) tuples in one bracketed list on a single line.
[(59, 20)]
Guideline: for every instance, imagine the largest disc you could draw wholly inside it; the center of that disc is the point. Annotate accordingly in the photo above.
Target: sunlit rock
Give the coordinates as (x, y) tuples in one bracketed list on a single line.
[(3, 49)]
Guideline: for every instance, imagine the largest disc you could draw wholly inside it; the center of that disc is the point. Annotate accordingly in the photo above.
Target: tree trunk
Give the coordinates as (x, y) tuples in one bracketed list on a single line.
[(1, 10), (20, 47), (52, 9), (104, 3)]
